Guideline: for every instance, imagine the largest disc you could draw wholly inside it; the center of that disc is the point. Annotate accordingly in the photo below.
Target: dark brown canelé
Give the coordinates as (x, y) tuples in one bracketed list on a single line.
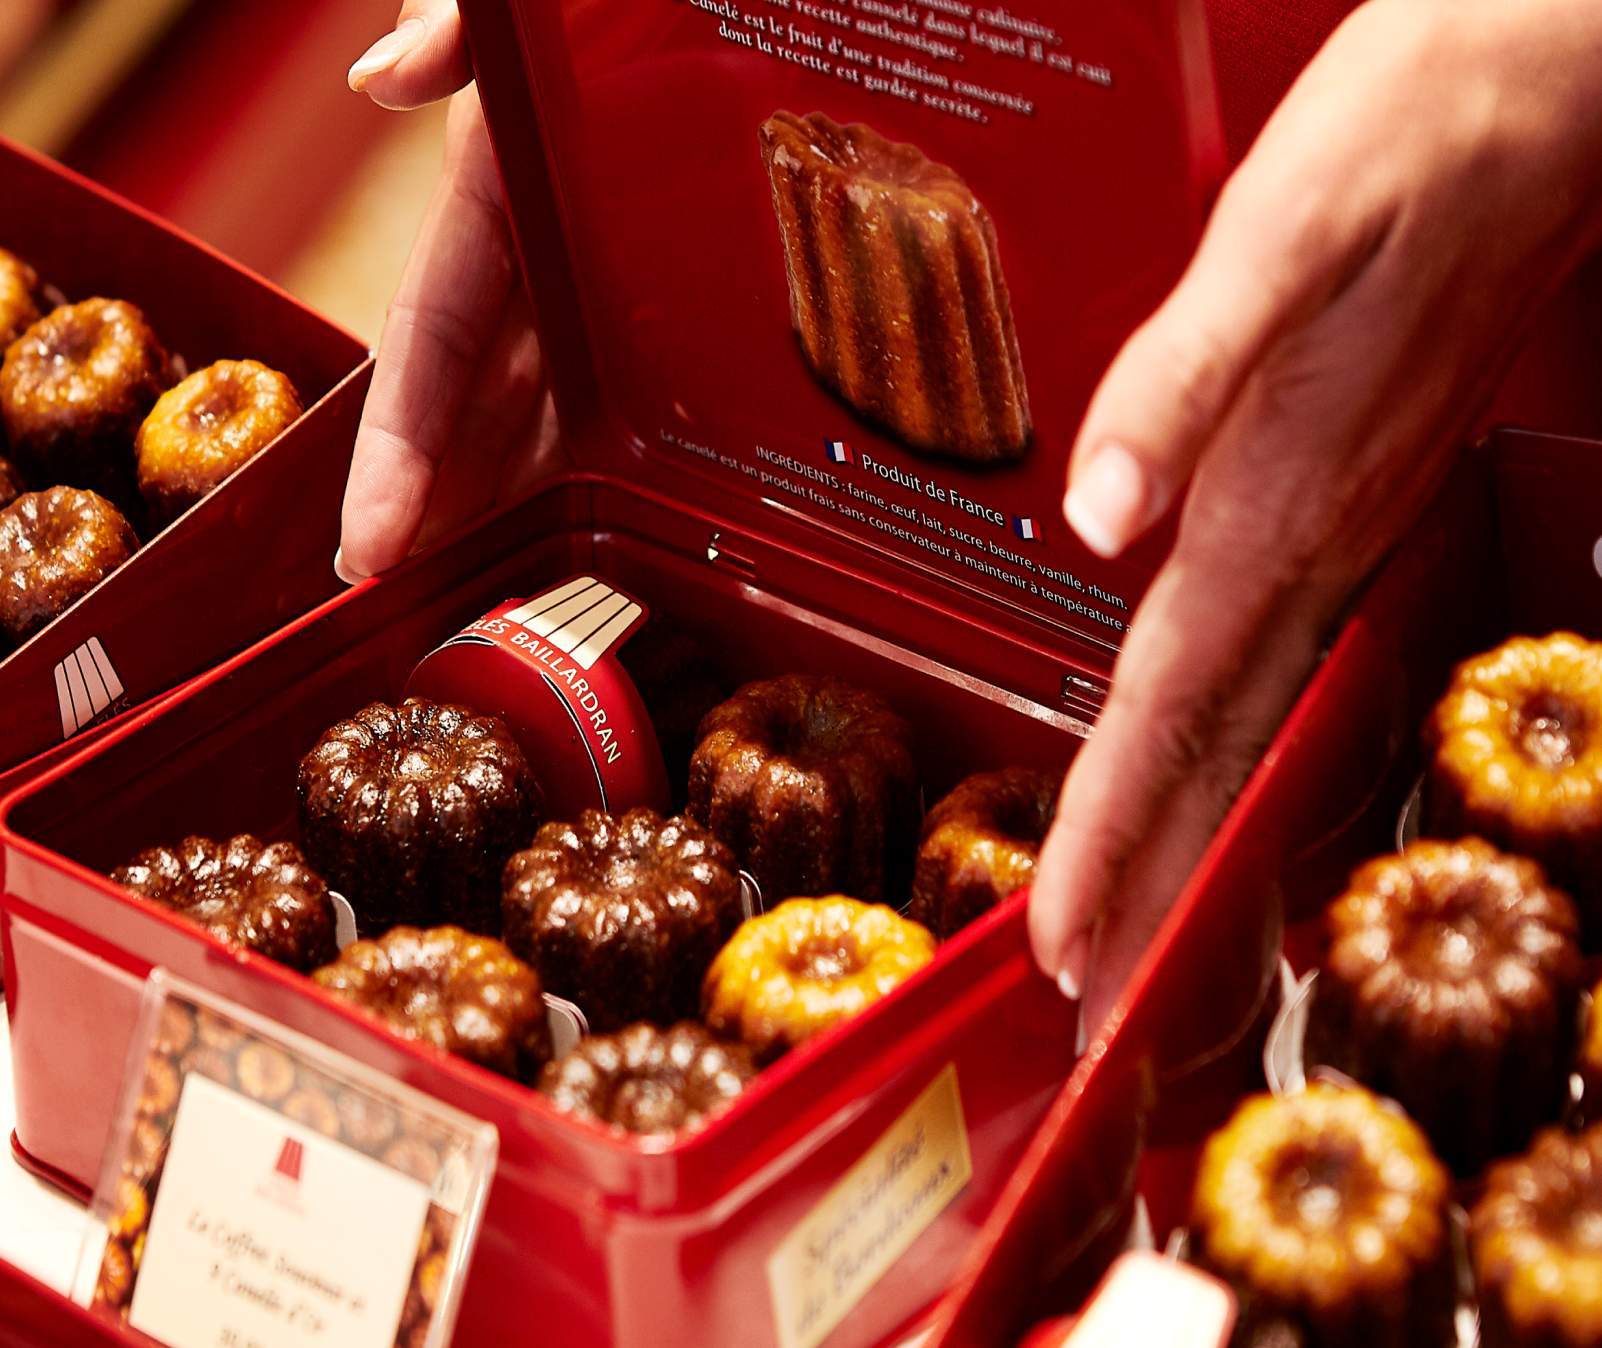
[(979, 845), (896, 287), (622, 915), (1515, 757), (262, 896), (644, 1079), (801, 968), (464, 993), (73, 391), (1327, 1214), (1452, 984), (56, 546), (1535, 1241), (812, 782), (410, 812), (207, 426)]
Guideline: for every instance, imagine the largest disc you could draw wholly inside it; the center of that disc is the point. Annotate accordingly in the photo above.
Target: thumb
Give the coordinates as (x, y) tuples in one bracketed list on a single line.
[(423, 59)]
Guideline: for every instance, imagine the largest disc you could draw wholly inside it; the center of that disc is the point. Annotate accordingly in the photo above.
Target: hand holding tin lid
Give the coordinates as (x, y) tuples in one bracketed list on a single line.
[(1366, 278), (434, 453)]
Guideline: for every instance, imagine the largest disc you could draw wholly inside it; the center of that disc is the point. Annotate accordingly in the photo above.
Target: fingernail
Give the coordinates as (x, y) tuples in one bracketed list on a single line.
[(1112, 501), (343, 571), (386, 53), (1071, 977)]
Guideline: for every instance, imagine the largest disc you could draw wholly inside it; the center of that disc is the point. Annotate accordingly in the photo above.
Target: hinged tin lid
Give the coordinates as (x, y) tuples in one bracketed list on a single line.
[(846, 271)]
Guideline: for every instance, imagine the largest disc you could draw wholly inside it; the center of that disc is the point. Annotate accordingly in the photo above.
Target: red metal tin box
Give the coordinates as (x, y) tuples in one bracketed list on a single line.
[(791, 528), (32, 1314), (1514, 545), (253, 554), (614, 1240)]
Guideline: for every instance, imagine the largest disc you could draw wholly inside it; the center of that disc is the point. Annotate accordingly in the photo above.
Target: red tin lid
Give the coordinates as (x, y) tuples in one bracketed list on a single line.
[(763, 291)]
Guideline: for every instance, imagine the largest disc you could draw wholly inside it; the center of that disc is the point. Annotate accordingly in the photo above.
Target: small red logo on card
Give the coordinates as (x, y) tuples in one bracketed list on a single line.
[(289, 1159)]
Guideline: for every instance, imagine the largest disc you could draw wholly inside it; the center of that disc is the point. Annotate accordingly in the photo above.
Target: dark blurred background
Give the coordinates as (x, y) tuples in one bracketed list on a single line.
[(232, 118)]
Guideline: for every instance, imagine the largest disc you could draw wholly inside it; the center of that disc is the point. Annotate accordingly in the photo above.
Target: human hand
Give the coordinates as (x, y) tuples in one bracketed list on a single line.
[(458, 417), (1364, 282)]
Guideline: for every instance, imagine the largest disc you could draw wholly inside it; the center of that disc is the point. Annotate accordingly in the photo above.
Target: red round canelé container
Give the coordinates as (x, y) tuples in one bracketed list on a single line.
[(548, 666)]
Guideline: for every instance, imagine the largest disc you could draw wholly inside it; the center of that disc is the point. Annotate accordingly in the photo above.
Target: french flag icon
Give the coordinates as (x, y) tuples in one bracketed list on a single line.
[(839, 452), (1026, 527)]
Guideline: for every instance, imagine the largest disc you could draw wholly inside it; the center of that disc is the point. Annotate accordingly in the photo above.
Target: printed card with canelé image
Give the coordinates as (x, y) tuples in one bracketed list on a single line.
[(262, 1190)]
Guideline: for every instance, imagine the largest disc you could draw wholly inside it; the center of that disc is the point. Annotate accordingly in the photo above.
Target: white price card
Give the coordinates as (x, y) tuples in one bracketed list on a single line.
[(264, 1191)]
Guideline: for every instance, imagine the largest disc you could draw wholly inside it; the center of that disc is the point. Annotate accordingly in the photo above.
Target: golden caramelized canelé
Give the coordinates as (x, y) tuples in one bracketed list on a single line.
[(1326, 1212), (73, 391), (807, 965), (896, 288), (811, 782), (1452, 984), (1515, 757), (1535, 1241), (460, 992), (207, 426), (980, 843)]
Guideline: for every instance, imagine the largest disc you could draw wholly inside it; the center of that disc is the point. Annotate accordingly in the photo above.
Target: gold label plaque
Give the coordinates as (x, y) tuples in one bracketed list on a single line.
[(871, 1217)]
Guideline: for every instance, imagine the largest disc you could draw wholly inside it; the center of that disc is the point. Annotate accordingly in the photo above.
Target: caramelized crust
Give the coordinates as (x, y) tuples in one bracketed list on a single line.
[(262, 896), (462, 993), (1535, 1239), (979, 846), (20, 294), (207, 427), (1327, 1213), (807, 965), (622, 915), (1516, 758), (812, 782), (56, 546), (896, 288), (412, 811), (648, 1080), (74, 389), (1452, 984)]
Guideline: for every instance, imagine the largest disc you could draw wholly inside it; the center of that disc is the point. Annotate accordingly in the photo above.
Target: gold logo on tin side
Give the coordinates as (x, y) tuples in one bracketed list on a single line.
[(871, 1217)]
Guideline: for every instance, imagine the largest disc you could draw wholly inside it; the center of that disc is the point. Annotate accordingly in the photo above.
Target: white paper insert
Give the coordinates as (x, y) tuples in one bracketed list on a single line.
[(268, 1234)]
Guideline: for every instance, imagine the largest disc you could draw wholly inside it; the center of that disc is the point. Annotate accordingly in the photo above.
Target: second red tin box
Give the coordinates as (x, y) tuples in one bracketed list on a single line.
[(252, 555), (1512, 547)]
